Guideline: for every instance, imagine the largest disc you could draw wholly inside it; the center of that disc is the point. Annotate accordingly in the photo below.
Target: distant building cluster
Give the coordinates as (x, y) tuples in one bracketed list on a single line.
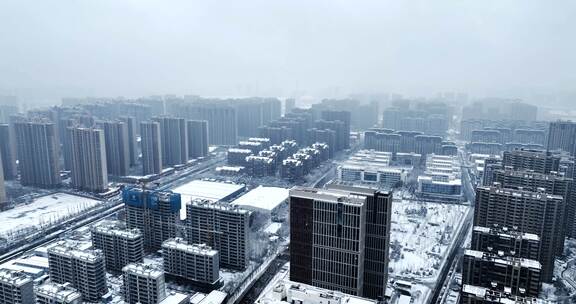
[(429, 118), (389, 140), (308, 126), (257, 158)]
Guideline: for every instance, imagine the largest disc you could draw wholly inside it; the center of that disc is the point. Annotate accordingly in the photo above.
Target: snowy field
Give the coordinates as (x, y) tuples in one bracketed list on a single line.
[(42, 212), (422, 233)]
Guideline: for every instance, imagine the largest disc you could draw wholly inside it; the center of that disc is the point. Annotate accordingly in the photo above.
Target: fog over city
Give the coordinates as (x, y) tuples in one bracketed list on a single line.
[(521, 49)]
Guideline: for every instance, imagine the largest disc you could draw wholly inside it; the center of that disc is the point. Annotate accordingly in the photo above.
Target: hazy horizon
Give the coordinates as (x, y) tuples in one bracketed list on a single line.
[(522, 49)]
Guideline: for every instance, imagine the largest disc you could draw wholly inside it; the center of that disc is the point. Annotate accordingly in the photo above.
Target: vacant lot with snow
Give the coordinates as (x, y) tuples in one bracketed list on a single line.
[(43, 211), (422, 233)]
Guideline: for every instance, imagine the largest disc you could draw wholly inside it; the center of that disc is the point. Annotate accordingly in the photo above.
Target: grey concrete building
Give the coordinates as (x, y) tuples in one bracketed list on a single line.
[(89, 164), (117, 147), (222, 121), (536, 160), (83, 269), (532, 212), (552, 183), (16, 287), (481, 295), (2, 187), (507, 241), (343, 140), (174, 140), (121, 246), (37, 147), (562, 136), (222, 227), (54, 293), (143, 284), (8, 152), (519, 276), (192, 262), (132, 142), (197, 138), (151, 148)]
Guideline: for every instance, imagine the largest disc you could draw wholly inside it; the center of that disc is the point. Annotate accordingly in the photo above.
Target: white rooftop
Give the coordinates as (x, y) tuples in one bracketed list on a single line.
[(262, 198), (143, 270), (13, 277), (205, 190), (214, 297), (181, 245), (58, 291), (174, 298)]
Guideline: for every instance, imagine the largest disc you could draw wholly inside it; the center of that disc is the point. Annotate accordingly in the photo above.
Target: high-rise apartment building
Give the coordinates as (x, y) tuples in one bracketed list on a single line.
[(8, 152), (89, 165), (339, 239), (562, 136), (507, 241), (16, 287), (197, 138), (2, 187), (536, 160), (289, 105), (117, 147), (37, 148), (132, 144), (553, 183), (223, 227), (83, 269), (484, 295), (54, 293), (155, 213), (120, 246), (343, 141), (143, 283), (194, 262), (531, 212), (519, 276), (151, 148), (174, 140), (221, 116)]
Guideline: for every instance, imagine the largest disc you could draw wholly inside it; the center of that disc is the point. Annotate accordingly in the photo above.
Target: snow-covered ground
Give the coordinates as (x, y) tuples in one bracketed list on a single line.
[(42, 212), (422, 233)]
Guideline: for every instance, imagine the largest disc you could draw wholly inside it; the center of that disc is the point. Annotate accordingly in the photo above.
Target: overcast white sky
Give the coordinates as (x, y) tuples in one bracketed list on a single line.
[(285, 48)]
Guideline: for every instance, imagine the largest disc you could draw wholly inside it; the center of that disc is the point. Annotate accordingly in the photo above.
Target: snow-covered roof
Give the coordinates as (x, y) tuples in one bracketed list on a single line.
[(13, 277), (214, 297), (503, 260), (66, 250), (58, 292), (143, 270), (196, 249), (114, 229), (273, 228), (209, 190), (263, 198), (174, 298), (206, 190)]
